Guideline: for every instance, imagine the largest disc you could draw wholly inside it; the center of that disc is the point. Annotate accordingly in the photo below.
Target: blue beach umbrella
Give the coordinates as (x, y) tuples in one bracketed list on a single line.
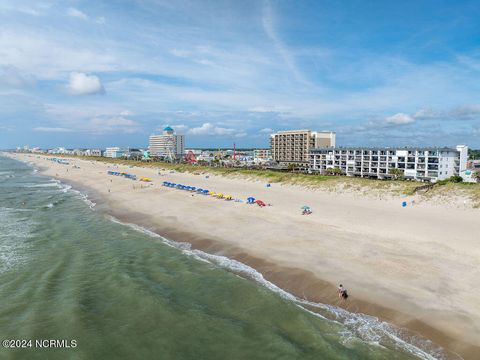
[(250, 200)]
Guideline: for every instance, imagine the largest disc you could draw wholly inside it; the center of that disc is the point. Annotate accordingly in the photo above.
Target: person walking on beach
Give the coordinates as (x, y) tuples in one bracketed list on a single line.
[(342, 292)]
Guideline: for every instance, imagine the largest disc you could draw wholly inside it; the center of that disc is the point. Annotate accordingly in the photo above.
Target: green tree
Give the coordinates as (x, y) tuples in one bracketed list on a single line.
[(334, 171), (476, 175), (396, 173)]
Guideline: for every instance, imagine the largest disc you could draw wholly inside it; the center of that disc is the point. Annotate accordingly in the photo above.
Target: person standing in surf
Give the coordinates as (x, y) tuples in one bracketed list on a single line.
[(342, 292)]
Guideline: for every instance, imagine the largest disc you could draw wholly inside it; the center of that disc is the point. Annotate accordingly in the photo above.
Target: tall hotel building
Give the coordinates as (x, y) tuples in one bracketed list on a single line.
[(427, 164), (294, 146), (168, 144)]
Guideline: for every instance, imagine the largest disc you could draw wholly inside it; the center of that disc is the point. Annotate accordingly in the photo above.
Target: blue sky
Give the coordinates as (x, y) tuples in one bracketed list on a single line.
[(106, 73)]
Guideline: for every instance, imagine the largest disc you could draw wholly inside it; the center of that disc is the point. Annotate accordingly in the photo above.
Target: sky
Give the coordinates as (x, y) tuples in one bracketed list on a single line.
[(111, 73)]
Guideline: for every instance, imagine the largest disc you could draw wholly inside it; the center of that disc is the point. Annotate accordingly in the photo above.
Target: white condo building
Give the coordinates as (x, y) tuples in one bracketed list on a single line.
[(426, 164), (169, 144), (113, 152)]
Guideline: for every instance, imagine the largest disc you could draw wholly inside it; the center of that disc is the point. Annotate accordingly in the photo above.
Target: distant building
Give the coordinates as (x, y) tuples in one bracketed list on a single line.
[(473, 164), (131, 153), (113, 152), (168, 145), (294, 146), (93, 152), (262, 154), (427, 164)]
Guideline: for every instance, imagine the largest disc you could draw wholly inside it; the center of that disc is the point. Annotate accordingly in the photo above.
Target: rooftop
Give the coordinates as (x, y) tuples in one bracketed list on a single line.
[(418, 148)]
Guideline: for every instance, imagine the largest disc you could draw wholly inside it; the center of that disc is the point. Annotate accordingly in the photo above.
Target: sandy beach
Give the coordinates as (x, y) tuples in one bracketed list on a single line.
[(417, 267)]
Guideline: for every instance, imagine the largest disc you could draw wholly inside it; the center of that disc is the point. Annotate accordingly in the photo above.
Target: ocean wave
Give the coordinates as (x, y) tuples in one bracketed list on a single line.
[(50, 184), (355, 326), (84, 197), (14, 230)]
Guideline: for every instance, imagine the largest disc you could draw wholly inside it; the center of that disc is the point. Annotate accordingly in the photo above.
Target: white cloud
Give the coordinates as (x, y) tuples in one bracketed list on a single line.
[(211, 130), (76, 13), (102, 125), (83, 84), (126, 113), (266, 109), (51, 129), (288, 58), (266, 131), (11, 77), (426, 114), (180, 53), (400, 119)]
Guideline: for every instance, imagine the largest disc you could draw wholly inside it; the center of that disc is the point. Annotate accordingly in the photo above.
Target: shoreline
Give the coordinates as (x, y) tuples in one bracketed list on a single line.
[(295, 280)]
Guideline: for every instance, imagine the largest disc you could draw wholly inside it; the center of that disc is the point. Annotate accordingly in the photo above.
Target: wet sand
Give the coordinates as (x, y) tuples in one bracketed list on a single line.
[(417, 268)]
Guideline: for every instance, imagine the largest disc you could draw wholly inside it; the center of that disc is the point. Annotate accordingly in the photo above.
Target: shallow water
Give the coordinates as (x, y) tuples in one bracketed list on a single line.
[(70, 272)]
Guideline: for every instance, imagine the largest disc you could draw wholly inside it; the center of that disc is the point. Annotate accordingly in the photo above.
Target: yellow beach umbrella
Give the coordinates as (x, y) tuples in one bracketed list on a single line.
[(212, 193)]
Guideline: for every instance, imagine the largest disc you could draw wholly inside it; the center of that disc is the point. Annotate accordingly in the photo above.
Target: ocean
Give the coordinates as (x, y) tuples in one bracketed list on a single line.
[(107, 290)]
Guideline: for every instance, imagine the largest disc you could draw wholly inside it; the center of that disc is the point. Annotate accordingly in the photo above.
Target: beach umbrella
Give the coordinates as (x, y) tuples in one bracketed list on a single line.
[(305, 207), (250, 200), (206, 192)]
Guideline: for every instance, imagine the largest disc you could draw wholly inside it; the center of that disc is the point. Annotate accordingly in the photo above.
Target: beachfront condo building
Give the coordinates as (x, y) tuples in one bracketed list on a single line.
[(426, 164), (113, 152), (294, 146), (168, 145)]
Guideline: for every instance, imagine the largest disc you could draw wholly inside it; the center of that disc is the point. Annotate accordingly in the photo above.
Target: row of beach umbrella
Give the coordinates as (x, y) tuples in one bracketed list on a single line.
[(126, 175), (186, 187), (250, 200)]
